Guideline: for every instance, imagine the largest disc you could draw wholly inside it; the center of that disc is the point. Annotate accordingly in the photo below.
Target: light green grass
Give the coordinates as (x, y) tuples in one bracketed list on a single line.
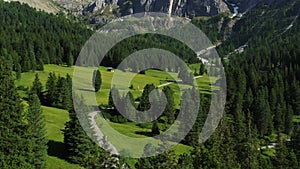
[(132, 130), (139, 81), (56, 163), (55, 122)]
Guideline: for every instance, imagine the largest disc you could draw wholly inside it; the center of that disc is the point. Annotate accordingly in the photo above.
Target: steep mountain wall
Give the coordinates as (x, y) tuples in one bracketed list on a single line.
[(187, 8)]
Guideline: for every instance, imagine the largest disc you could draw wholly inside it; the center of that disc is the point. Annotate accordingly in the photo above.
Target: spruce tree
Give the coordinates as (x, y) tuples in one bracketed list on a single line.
[(37, 87), (129, 107), (145, 102), (155, 128), (97, 81), (51, 88), (114, 93), (37, 131), (169, 111), (15, 150), (81, 149), (202, 69), (78, 145), (70, 60), (18, 71)]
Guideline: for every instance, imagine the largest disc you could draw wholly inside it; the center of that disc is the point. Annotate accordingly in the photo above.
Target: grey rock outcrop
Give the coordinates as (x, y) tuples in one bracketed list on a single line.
[(186, 8)]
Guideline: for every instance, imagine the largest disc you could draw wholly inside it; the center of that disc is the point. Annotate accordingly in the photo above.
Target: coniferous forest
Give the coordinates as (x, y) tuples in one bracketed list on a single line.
[(260, 127)]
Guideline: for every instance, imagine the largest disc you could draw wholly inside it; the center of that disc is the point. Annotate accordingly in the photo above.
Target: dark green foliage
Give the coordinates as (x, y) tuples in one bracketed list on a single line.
[(185, 161), (145, 102), (114, 97), (165, 160), (15, 145), (155, 128), (97, 80), (129, 106), (284, 157), (202, 69), (70, 60), (169, 110), (80, 148), (189, 103), (262, 114), (51, 88), (146, 41), (37, 87), (33, 38), (215, 28), (37, 132), (18, 71), (59, 91)]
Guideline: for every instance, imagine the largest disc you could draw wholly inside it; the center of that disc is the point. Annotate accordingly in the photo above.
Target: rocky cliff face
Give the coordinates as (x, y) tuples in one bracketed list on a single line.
[(186, 8)]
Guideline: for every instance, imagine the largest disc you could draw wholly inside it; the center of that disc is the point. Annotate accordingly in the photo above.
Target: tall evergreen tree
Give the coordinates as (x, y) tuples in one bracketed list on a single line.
[(145, 102), (202, 69), (18, 71), (37, 87), (15, 144), (155, 128), (114, 93), (37, 131), (78, 145), (129, 106), (51, 88), (97, 80), (169, 111)]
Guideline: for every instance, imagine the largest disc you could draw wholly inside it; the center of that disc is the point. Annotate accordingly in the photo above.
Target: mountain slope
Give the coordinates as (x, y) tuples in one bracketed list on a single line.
[(44, 5)]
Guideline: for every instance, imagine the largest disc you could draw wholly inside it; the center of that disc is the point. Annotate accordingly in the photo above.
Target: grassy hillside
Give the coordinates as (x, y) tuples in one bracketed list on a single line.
[(44, 5), (55, 120), (139, 81)]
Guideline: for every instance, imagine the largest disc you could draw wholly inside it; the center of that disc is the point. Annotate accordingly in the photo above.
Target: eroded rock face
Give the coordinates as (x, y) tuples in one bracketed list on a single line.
[(187, 8)]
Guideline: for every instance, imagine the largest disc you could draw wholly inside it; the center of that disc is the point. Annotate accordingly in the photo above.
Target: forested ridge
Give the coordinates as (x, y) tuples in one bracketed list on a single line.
[(31, 38), (263, 92)]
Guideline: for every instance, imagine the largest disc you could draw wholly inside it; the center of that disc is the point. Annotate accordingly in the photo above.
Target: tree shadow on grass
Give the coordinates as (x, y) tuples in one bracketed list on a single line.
[(57, 149), (148, 134)]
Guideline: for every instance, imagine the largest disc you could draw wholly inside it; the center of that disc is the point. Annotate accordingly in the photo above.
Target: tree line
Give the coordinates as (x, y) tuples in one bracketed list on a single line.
[(29, 38)]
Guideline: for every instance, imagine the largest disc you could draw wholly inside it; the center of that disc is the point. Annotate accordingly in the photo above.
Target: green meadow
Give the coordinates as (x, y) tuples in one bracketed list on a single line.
[(55, 121), (205, 83), (56, 118)]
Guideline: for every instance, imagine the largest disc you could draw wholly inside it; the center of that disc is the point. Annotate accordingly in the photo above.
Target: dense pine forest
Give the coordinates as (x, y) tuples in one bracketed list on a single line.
[(30, 39), (260, 125)]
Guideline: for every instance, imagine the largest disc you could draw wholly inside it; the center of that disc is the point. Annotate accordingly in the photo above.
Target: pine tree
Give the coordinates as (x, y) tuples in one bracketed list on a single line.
[(129, 107), (185, 161), (155, 128), (39, 65), (262, 114), (15, 144), (64, 94), (37, 87), (114, 97), (78, 145), (97, 80), (70, 60), (280, 159), (37, 131), (80, 148), (18, 71), (202, 69), (145, 102), (51, 88), (32, 57), (170, 106)]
